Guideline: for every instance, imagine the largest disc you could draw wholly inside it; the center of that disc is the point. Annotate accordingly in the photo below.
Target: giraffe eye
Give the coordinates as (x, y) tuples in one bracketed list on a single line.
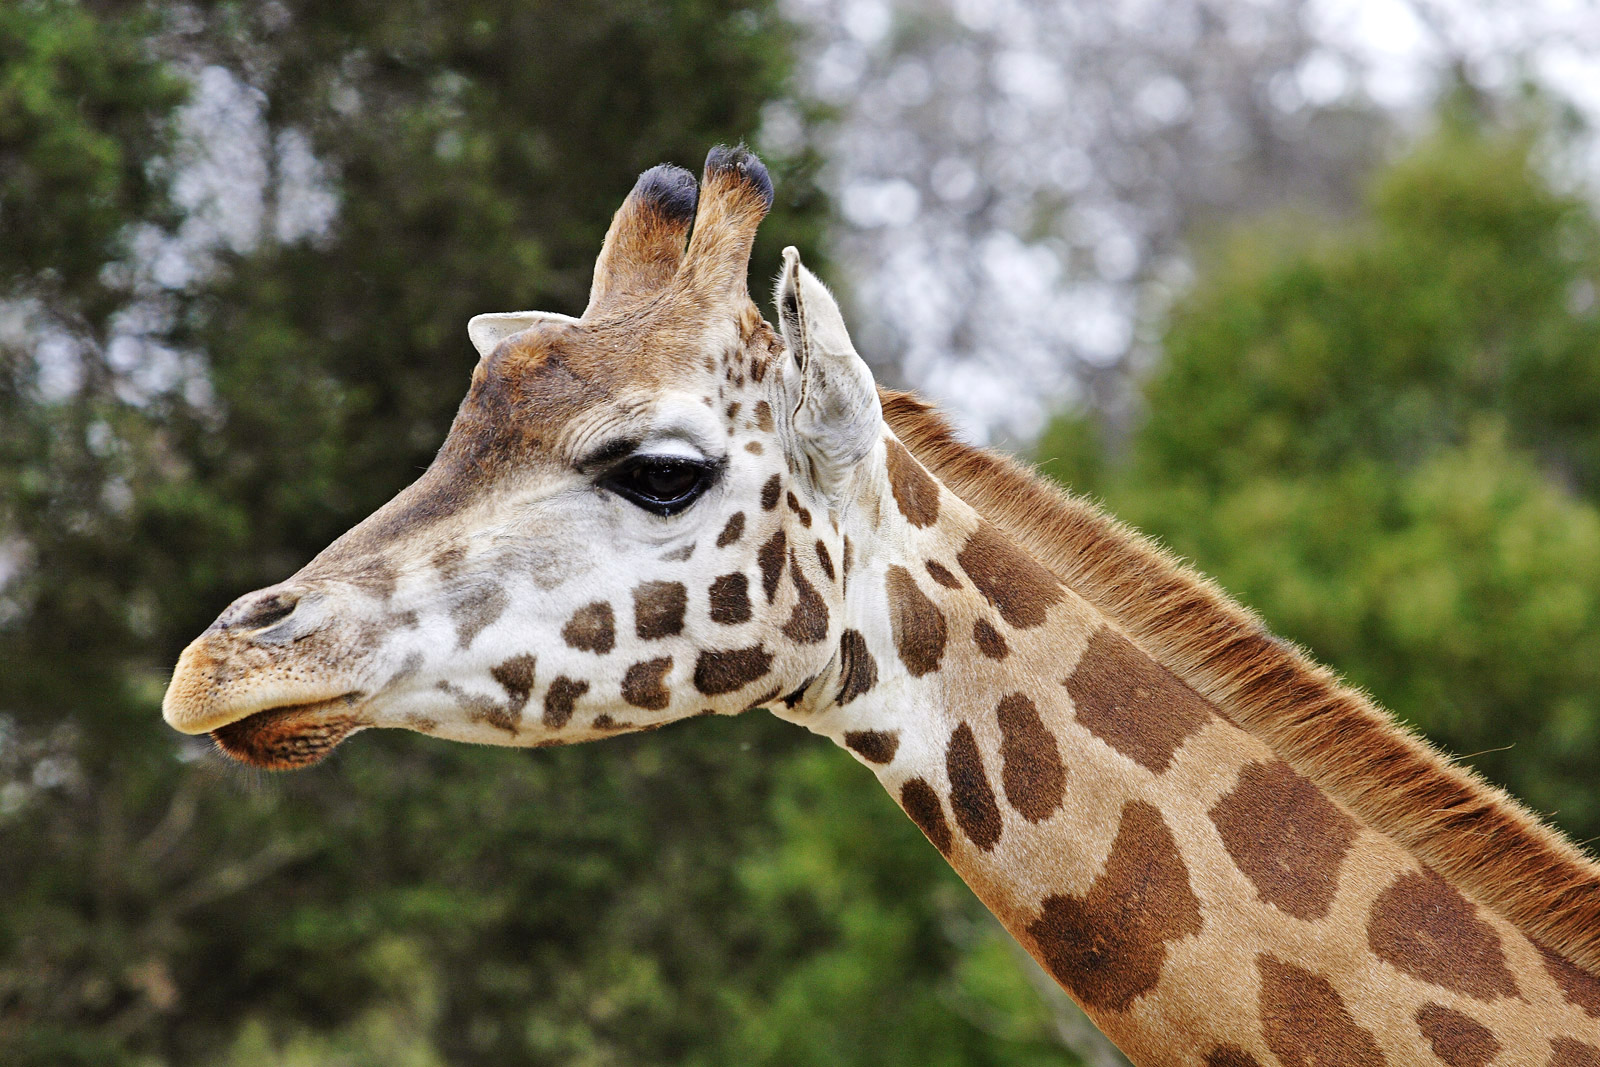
[(663, 485)]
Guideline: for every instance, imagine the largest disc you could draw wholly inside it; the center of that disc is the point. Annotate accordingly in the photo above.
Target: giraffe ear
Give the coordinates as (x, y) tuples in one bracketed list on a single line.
[(838, 419), (487, 331)]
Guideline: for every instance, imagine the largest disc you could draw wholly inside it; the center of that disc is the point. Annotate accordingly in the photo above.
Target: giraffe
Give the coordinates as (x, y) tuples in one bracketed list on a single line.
[(666, 508)]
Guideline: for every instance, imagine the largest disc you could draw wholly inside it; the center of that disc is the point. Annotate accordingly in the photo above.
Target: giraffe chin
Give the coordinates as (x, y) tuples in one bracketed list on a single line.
[(288, 738)]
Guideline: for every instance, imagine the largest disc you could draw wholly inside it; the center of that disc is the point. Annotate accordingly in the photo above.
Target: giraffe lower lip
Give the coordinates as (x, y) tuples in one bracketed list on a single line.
[(287, 738)]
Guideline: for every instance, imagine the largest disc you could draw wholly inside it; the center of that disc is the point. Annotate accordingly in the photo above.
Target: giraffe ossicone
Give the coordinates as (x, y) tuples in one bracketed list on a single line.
[(665, 508)]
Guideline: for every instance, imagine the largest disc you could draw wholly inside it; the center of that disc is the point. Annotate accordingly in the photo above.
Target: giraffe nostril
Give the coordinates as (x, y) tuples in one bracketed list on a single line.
[(259, 611)]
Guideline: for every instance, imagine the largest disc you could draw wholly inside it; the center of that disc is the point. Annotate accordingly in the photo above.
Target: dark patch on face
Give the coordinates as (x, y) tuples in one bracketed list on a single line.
[(770, 493), (1286, 837), (874, 746), (1019, 588), (1108, 946), (374, 576), (769, 557), (1424, 927), (1132, 703), (447, 560), (1230, 1056), (808, 622), (916, 622), (1565, 1052), (658, 609), (764, 416), (1577, 985), (732, 531), (730, 599), (733, 411), (915, 491), (730, 669), (408, 667), (941, 574), (679, 555), (644, 685), (849, 557), (825, 560), (989, 640), (802, 513), (1306, 1023), (515, 676), (754, 448), (476, 609), (971, 797), (922, 804), (592, 628), (1030, 763), (1459, 1040), (858, 671), (560, 699), (480, 708)]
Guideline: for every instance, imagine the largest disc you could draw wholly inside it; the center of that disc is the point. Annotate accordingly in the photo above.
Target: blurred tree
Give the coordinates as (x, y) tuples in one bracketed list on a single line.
[(1387, 440)]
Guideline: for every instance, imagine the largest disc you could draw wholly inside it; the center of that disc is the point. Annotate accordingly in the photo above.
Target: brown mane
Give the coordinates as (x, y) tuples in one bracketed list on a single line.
[(1447, 816)]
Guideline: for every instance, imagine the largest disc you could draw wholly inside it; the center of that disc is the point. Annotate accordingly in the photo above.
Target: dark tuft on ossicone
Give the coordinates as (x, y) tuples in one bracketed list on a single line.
[(670, 190), (742, 162)]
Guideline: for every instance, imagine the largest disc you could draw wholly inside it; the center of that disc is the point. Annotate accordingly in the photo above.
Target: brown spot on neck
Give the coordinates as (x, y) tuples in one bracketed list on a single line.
[(1306, 1023), (1108, 946), (922, 804), (941, 574), (1031, 769), (1286, 837), (971, 796), (989, 640), (1230, 1056), (1577, 985), (858, 671), (1132, 703), (1458, 1040), (770, 493), (874, 746), (1425, 928), (1019, 588), (916, 622), (915, 491), (1565, 1052)]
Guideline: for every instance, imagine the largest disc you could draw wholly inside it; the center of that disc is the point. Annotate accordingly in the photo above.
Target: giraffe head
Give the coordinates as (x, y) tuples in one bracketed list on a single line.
[(632, 520)]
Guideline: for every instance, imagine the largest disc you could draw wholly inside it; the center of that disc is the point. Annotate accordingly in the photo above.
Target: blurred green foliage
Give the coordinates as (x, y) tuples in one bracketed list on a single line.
[(1385, 438), (727, 892)]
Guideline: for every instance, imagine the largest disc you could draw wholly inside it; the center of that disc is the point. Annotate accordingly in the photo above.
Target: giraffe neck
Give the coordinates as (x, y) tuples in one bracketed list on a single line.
[(1201, 900)]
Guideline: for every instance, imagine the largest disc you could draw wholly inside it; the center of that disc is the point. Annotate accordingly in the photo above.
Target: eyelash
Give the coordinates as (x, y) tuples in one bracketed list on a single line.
[(660, 485)]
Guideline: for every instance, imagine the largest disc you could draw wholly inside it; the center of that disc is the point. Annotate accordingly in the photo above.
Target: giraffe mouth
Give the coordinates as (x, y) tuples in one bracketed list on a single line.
[(293, 736)]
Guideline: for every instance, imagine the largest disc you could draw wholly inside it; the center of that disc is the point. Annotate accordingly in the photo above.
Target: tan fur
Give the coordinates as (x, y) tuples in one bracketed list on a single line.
[(1474, 834)]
